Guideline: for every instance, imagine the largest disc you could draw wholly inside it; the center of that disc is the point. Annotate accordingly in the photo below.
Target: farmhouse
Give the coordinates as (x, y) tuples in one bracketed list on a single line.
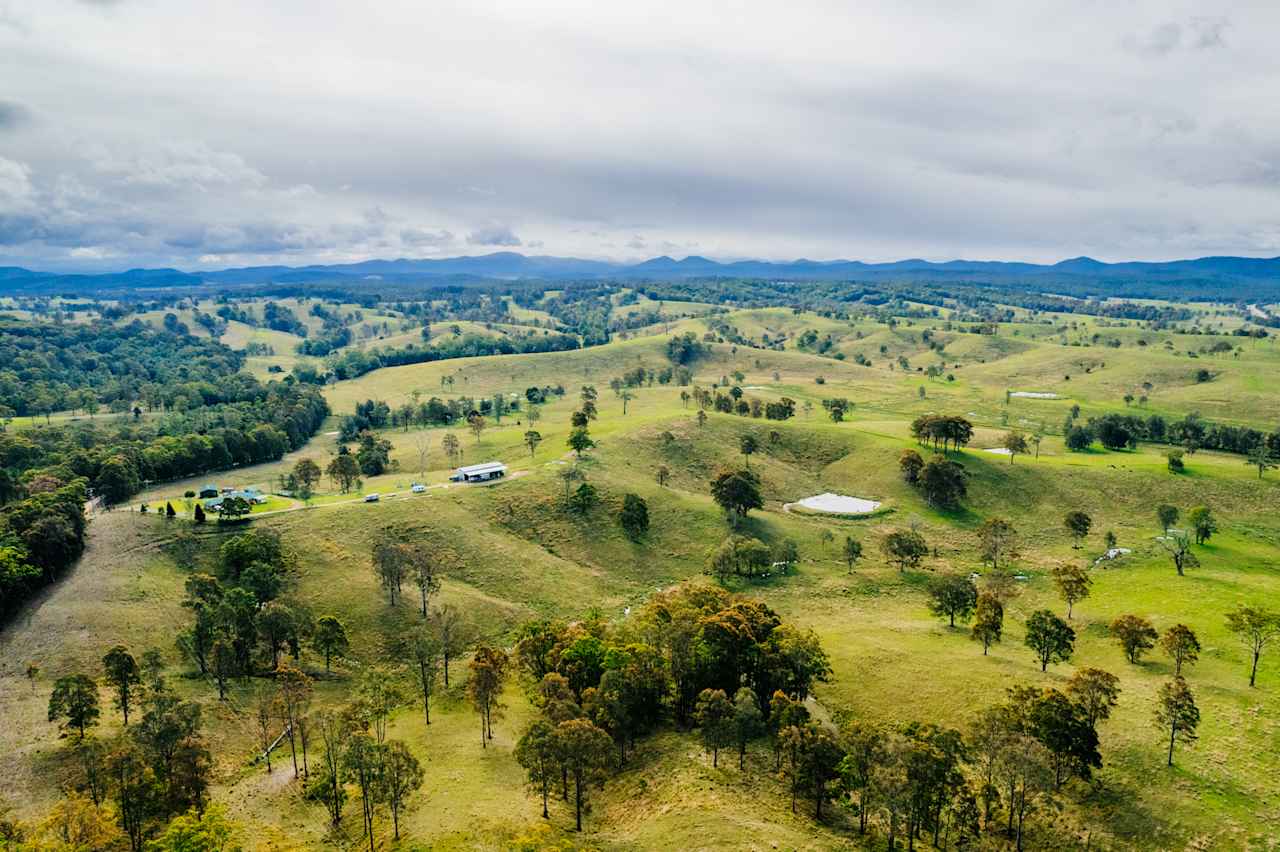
[(480, 472), (252, 496)]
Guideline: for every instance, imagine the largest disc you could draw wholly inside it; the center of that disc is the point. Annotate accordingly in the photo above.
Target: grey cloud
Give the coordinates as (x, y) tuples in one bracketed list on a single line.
[(423, 238), (1208, 32), (493, 235), (1199, 33), (862, 134), (12, 115)]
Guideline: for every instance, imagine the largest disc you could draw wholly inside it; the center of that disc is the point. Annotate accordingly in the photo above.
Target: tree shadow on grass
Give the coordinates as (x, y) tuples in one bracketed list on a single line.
[(1118, 807)]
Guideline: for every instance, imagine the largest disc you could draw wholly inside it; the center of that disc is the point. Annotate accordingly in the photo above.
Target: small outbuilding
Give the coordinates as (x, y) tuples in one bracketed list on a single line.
[(208, 490), (479, 472)]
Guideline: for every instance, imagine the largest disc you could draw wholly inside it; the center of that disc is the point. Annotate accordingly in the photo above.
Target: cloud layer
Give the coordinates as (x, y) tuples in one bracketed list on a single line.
[(135, 132)]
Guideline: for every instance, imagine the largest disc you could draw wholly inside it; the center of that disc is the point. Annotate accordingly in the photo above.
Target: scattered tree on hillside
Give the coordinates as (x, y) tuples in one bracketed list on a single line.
[(585, 752), (864, 755), (1078, 524), (786, 554), (737, 492), (748, 721), (330, 638), (662, 474), (942, 432), (952, 596), (910, 463), (1203, 524), (943, 482), (1167, 516), (421, 446), (988, 621), (997, 541), (1260, 456), (1180, 644), (1016, 443), (477, 424), (837, 408), (380, 694), (1025, 771), (306, 475), (452, 448), (714, 716), (484, 688), (362, 764), (1073, 584), (374, 455), (1176, 713), (531, 440), (1050, 637), (1078, 439), (335, 731), (391, 566), (453, 633), (75, 698), (904, 547), (401, 776), (295, 697), (537, 751), (580, 441), (1178, 545), (738, 555), (1135, 635), (813, 764), (123, 677), (425, 652), (852, 551), (266, 711), (634, 516), (344, 471), (584, 498), (1254, 626), (1096, 691)]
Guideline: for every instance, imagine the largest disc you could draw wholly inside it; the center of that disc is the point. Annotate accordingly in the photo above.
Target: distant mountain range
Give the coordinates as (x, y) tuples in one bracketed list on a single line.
[(513, 266)]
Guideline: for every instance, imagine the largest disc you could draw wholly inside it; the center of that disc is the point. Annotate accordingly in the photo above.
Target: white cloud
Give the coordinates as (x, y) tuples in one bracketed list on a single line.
[(15, 182)]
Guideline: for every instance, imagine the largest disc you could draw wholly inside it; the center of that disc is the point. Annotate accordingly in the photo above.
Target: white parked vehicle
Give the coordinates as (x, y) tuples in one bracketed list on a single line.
[(418, 488), (371, 498)]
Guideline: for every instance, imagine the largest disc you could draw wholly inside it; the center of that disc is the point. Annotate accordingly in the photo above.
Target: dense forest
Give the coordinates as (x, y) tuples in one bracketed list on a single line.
[(51, 367), (205, 416)]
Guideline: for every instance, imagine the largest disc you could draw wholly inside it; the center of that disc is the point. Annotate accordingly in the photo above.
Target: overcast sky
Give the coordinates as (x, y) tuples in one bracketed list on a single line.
[(199, 134)]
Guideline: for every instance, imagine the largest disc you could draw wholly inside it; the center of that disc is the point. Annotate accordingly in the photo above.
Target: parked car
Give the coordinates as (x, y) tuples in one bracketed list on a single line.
[(418, 488), (371, 498)]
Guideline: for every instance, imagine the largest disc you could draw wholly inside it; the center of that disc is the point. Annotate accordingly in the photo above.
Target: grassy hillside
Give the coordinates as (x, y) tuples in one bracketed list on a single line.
[(512, 552)]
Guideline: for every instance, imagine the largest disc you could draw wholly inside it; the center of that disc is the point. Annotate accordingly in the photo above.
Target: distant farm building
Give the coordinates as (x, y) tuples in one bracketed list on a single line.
[(252, 496), (479, 472)]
